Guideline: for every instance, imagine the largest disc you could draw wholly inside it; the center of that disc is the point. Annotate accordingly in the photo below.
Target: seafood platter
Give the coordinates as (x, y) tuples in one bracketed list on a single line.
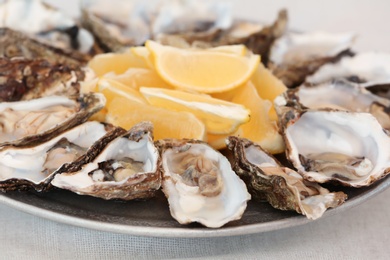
[(175, 116)]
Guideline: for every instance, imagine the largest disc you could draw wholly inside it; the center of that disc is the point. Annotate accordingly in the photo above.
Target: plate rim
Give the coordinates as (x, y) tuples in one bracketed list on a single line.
[(183, 232)]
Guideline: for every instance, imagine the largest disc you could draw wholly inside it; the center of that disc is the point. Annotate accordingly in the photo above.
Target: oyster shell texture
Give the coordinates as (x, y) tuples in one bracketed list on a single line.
[(126, 166), (17, 44), (200, 184), (31, 122), (294, 56), (23, 79), (24, 167), (282, 187)]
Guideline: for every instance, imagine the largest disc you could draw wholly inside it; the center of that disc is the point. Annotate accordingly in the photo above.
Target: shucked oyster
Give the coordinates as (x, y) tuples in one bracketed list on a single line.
[(200, 184), (341, 95), (328, 145), (124, 167), (282, 187), (297, 55), (25, 167), (45, 23), (35, 121), (28, 79)]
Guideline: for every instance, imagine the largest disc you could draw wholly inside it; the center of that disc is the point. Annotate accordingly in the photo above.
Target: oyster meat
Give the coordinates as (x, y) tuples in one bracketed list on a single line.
[(38, 120), (350, 148), (30, 79), (124, 167), (46, 24), (26, 167), (282, 187), (297, 55), (200, 184)]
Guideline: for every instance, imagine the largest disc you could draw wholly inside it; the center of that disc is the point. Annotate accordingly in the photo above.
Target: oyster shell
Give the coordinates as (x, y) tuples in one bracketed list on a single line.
[(38, 120), (126, 167), (367, 69), (328, 145), (282, 187), (200, 184), (24, 167), (297, 55), (45, 23), (28, 79), (17, 44), (341, 95)]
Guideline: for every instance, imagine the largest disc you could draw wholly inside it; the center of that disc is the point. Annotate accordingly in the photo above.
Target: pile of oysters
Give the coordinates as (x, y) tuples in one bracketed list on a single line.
[(334, 117)]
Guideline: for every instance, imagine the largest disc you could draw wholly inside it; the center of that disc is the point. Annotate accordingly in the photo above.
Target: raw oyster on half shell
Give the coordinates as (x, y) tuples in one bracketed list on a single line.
[(35, 121), (282, 187), (340, 95), (200, 184), (326, 145), (124, 167), (297, 55), (25, 166)]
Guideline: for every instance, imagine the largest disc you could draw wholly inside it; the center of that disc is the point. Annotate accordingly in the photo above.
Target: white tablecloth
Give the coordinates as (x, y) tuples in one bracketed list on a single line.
[(359, 233)]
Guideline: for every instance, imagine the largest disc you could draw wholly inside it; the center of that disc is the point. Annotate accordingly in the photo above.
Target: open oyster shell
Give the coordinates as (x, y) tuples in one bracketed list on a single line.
[(46, 24), (25, 166), (125, 167), (329, 145), (200, 184), (35, 121), (282, 187), (297, 55), (341, 95), (28, 79)]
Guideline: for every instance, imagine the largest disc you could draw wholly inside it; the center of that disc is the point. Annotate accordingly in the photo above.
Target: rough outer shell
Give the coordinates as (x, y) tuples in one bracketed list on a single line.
[(297, 55), (282, 187), (186, 201), (339, 146), (25, 167), (17, 127), (86, 176), (29, 79), (341, 95), (17, 44)]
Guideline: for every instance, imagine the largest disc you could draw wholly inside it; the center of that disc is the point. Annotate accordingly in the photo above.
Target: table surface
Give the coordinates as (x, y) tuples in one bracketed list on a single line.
[(362, 232)]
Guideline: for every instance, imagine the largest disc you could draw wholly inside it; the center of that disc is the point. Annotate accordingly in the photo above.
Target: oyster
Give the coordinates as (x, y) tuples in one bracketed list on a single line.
[(126, 167), (282, 187), (341, 95), (17, 44), (256, 37), (117, 25), (328, 145), (297, 55), (38, 120), (200, 184), (46, 24), (25, 167), (28, 79)]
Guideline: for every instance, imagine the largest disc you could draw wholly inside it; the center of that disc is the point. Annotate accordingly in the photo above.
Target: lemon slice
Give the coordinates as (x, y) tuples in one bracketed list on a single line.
[(204, 71), (220, 117), (167, 123), (260, 129)]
